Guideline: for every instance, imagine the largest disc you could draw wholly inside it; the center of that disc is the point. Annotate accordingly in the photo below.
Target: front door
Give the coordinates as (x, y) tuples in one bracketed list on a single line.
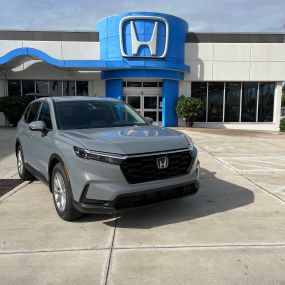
[(145, 97)]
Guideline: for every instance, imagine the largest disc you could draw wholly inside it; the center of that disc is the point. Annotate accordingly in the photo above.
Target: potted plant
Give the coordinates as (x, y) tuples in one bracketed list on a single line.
[(13, 107), (188, 109)]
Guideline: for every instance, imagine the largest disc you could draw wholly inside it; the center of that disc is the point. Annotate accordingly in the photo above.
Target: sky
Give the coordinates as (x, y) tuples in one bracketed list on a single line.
[(202, 15)]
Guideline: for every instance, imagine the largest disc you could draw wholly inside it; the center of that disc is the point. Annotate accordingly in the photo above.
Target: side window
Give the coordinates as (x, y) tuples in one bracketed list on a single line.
[(45, 115), (26, 114), (34, 111)]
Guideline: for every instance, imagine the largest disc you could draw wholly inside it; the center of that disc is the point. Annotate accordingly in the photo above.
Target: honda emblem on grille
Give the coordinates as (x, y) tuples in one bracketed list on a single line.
[(162, 162)]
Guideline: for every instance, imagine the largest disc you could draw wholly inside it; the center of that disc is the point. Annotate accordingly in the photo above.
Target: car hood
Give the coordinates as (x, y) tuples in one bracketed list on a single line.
[(128, 140)]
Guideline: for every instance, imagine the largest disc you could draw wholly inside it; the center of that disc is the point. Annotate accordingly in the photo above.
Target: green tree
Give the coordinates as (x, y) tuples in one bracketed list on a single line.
[(189, 108), (13, 107)]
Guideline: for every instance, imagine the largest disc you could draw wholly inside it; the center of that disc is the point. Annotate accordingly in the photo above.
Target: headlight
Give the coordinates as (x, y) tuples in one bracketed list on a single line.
[(100, 156), (190, 142)]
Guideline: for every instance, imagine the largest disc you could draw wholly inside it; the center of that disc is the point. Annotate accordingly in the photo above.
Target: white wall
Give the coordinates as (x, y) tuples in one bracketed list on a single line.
[(235, 61)]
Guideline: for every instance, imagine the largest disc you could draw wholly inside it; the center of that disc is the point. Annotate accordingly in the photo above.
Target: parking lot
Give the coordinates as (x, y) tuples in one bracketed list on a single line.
[(231, 232)]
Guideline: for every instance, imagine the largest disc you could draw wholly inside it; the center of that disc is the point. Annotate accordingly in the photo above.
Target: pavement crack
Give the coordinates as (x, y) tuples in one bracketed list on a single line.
[(111, 252)]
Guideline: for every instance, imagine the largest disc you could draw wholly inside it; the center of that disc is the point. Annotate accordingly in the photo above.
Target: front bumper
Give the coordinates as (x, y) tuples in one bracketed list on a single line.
[(139, 199)]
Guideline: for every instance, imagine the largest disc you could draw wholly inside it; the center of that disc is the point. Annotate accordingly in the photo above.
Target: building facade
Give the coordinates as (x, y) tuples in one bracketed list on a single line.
[(149, 60)]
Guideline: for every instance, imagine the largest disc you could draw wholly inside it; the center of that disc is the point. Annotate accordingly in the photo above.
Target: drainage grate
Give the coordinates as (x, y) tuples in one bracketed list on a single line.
[(7, 185)]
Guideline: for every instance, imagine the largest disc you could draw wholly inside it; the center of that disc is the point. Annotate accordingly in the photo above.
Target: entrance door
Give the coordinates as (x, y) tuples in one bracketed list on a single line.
[(145, 97)]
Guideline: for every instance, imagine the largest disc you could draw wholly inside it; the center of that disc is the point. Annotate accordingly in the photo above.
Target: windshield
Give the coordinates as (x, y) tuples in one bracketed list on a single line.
[(96, 114)]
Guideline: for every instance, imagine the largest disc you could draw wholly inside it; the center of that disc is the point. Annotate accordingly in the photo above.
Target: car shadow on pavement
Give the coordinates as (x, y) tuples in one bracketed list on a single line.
[(215, 196)]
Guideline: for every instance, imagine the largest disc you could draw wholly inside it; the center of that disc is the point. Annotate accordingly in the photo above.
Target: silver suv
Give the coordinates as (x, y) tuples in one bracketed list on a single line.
[(98, 155)]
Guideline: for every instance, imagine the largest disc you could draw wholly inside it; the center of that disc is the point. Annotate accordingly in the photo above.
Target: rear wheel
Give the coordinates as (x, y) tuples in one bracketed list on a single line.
[(22, 170), (62, 194)]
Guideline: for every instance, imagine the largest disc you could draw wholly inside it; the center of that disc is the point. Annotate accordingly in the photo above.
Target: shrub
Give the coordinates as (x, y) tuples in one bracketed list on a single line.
[(189, 108), (282, 125), (13, 107)]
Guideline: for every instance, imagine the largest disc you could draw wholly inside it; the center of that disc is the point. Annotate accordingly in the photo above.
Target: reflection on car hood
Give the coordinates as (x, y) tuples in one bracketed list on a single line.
[(128, 140)]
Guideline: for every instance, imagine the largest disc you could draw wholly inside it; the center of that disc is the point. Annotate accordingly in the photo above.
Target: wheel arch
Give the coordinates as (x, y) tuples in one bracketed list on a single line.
[(54, 159)]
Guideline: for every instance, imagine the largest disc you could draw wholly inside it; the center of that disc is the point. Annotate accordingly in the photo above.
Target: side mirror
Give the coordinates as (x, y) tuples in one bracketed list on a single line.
[(149, 120), (38, 126)]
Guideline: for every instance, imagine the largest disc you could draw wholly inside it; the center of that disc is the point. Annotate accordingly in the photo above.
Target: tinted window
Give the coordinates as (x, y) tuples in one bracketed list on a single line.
[(69, 88), (249, 96), (199, 90), (14, 87), (232, 104), (33, 113), (55, 88), (266, 102), (45, 115), (215, 101), (27, 113), (82, 88), (28, 86), (42, 87), (95, 114)]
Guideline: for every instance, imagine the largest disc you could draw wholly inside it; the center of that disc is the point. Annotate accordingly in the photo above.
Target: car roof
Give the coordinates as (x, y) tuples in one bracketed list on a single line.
[(77, 98)]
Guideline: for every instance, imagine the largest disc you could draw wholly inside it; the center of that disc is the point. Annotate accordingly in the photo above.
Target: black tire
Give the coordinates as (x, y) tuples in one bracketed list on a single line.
[(67, 212), (22, 170)]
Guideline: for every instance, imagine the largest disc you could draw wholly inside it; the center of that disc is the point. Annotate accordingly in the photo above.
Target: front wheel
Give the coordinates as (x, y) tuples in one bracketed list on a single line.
[(22, 170), (62, 194)]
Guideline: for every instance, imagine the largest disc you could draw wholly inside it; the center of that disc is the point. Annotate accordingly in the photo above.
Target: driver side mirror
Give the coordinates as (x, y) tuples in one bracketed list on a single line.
[(149, 120), (38, 126)]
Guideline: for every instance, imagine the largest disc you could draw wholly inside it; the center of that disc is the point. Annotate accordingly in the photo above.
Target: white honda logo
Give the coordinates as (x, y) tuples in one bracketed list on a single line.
[(151, 44), (162, 162)]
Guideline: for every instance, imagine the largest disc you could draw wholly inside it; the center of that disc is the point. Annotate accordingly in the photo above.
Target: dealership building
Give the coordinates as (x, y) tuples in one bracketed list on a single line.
[(149, 60)]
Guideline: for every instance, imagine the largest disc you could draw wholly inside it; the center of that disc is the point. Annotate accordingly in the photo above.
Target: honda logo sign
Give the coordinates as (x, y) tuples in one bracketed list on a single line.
[(152, 44), (162, 162)]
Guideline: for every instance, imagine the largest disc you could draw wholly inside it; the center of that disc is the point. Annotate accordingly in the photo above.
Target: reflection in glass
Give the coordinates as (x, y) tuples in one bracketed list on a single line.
[(134, 84), (82, 88), (149, 84), (14, 87), (249, 97), (134, 101), (199, 90), (150, 114), (150, 102), (55, 88), (28, 87), (266, 101), (215, 101), (68, 88), (42, 87), (232, 104)]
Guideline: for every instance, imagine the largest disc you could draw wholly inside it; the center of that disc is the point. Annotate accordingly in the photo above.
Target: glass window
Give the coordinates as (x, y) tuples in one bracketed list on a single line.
[(68, 88), (42, 87), (82, 88), (28, 87), (134, 84), (55, 88), (14, 87), (45, 115), (26, 114), (34, 111), (159, 84), (150, 102), (215, 101), (134, 101), (149, 84), (150, 114), (96, 114), (249, 97), (199, 90), (232, 104), (266, 101)]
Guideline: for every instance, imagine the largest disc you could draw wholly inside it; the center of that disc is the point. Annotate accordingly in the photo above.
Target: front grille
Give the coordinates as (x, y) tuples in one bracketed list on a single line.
[(138, 200), (144, 168)]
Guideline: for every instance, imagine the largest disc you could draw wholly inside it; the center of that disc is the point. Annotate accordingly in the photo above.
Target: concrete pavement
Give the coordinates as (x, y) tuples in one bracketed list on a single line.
[(231, 232)]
